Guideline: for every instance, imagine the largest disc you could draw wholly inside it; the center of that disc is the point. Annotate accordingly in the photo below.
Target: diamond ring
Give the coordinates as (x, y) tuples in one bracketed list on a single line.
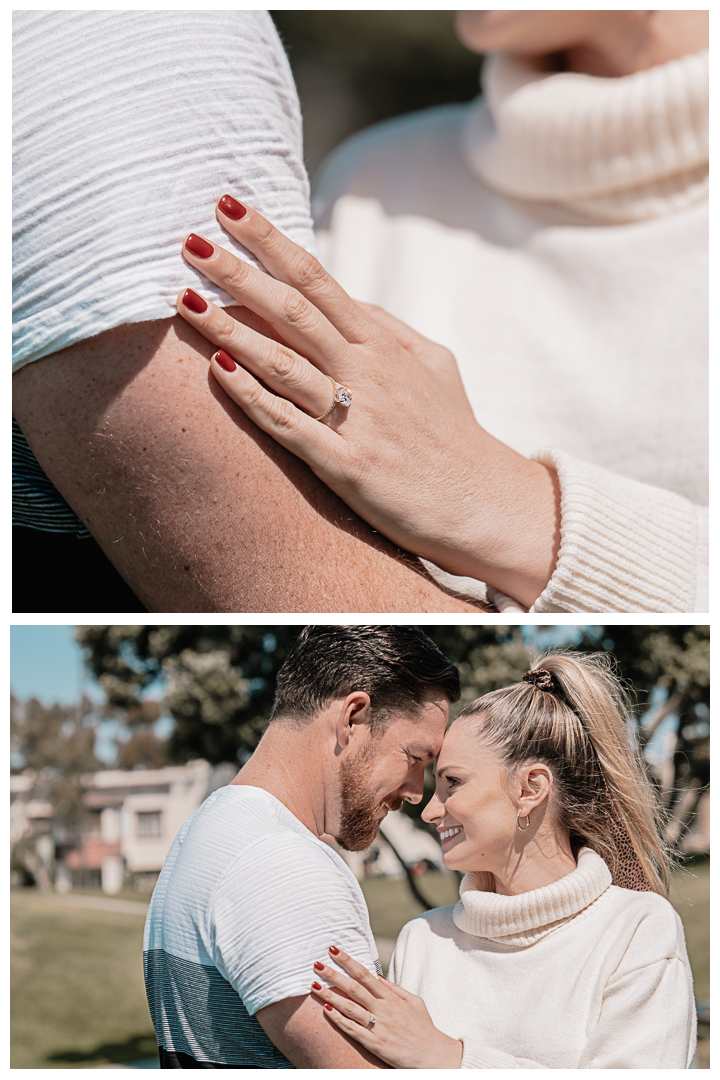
[(341, 396), (372, 1021)]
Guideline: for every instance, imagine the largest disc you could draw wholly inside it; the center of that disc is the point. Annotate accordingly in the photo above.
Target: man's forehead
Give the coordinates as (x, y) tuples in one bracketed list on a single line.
[(421, 732), (425, 748), (425, 738)]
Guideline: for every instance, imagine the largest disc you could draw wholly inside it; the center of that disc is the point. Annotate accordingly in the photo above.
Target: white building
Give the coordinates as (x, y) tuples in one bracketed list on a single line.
[(134, 817), (141, 812), (28, 813)]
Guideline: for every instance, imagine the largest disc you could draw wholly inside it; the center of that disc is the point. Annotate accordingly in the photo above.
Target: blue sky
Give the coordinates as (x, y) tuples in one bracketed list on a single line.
[(46, 663)]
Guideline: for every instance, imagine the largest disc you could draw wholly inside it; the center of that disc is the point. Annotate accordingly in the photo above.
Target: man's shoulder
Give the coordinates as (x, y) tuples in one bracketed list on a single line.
[(262, 840), (244, 856), (242, 834), (245, 821), (233, 816)]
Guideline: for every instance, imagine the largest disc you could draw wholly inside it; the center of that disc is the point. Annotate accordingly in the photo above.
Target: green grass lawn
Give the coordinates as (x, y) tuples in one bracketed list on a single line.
[(690, 896), (391, 903), (78, 998)]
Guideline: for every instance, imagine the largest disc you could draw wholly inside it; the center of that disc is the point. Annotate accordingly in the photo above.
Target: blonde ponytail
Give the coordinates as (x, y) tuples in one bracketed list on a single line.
[(579, 726)]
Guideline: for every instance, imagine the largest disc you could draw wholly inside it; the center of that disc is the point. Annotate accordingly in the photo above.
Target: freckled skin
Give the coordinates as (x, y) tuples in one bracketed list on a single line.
[(198, 509)]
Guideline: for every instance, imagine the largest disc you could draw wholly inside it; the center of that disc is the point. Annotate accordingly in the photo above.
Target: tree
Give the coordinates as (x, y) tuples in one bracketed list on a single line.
[(55, 744), (668, 669), (219, 683), (144, 749)]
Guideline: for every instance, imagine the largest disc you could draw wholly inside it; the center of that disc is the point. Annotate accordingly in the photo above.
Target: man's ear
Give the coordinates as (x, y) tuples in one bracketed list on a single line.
[(353, 715)]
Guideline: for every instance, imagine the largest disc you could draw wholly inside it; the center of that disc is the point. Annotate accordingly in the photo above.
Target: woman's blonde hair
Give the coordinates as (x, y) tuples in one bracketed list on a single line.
[(579, 728)]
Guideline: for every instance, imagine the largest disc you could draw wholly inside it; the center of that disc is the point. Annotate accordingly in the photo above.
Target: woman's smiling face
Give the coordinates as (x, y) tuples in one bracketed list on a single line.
[(472, 807)]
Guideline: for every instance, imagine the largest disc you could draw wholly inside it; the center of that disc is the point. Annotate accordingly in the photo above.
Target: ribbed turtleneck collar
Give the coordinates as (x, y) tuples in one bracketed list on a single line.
[(614, 149), (524, 919)]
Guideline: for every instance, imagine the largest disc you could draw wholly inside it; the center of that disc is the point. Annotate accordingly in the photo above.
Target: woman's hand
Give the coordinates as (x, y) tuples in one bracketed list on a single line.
[(408, 454), (401, 1031)]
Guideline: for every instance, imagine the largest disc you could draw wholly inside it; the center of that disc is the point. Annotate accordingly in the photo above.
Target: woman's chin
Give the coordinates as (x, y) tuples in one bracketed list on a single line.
[(453, 861)]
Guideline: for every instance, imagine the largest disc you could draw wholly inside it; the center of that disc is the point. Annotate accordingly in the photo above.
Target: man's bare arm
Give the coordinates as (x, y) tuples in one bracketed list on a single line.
[(197, 508), (310, 1041)]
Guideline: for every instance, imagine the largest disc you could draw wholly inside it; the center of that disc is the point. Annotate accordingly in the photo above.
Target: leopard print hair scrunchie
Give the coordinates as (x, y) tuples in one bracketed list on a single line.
[(544, 680)]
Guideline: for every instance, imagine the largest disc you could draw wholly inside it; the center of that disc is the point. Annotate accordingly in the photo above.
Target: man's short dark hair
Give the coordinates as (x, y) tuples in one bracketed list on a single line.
[(395, 665)]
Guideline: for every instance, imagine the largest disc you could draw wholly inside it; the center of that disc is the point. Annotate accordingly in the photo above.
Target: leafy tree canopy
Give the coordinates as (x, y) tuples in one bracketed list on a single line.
[(218, 681), (57, 743)]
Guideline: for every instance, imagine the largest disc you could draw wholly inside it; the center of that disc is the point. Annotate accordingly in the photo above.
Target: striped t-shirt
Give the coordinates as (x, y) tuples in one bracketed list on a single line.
[(247, 901)]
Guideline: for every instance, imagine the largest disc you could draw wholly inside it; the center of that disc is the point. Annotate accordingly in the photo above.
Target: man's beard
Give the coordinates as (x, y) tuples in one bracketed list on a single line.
[(359, 810)]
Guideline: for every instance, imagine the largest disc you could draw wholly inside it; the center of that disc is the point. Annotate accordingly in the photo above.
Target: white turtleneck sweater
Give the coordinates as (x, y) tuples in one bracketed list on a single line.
[(579, 974), (554, 237)]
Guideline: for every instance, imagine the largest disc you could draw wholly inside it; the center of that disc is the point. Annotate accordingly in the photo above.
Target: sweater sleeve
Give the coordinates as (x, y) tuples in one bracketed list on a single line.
[(477, 1055), (625, 546), (647, 1020)]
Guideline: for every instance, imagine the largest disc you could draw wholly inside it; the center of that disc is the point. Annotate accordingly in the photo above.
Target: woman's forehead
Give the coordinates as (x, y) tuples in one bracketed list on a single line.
[(463, 744), (456, 736)]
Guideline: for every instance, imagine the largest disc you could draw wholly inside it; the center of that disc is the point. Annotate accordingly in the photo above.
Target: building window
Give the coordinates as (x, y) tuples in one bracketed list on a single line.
[(148, 823)]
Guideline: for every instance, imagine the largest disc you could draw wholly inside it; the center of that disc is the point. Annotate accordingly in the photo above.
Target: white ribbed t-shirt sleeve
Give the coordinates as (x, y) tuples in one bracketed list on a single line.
[(278, 910), (625, 546), (128, 126)]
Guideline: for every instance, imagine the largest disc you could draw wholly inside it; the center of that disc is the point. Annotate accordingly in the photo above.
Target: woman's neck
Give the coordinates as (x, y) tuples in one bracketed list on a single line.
[(539, 863)]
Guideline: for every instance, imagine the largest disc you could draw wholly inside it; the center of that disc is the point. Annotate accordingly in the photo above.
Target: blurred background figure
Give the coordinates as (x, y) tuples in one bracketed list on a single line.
[(110, 758)]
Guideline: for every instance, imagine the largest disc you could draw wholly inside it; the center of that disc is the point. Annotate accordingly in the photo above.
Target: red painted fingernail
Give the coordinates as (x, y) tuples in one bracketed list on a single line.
[(316, 986), (232, 208), (319, 966), (328, 1006), (194, 301), (334, 951), (198, 246), (226, 362)]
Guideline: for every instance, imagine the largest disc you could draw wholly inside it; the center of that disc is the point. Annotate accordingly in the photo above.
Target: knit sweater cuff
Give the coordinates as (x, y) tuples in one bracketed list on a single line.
[(624, 545), (477, 1055)]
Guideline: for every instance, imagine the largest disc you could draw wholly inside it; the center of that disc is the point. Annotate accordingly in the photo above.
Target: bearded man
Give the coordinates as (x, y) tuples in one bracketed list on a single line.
[(250, 897)]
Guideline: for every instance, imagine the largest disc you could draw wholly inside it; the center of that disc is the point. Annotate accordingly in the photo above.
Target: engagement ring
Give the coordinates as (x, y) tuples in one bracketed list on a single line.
[(341, 396)]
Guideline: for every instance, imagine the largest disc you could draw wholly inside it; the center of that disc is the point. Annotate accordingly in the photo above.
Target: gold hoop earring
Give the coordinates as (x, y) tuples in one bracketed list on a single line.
[(527, 822)]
